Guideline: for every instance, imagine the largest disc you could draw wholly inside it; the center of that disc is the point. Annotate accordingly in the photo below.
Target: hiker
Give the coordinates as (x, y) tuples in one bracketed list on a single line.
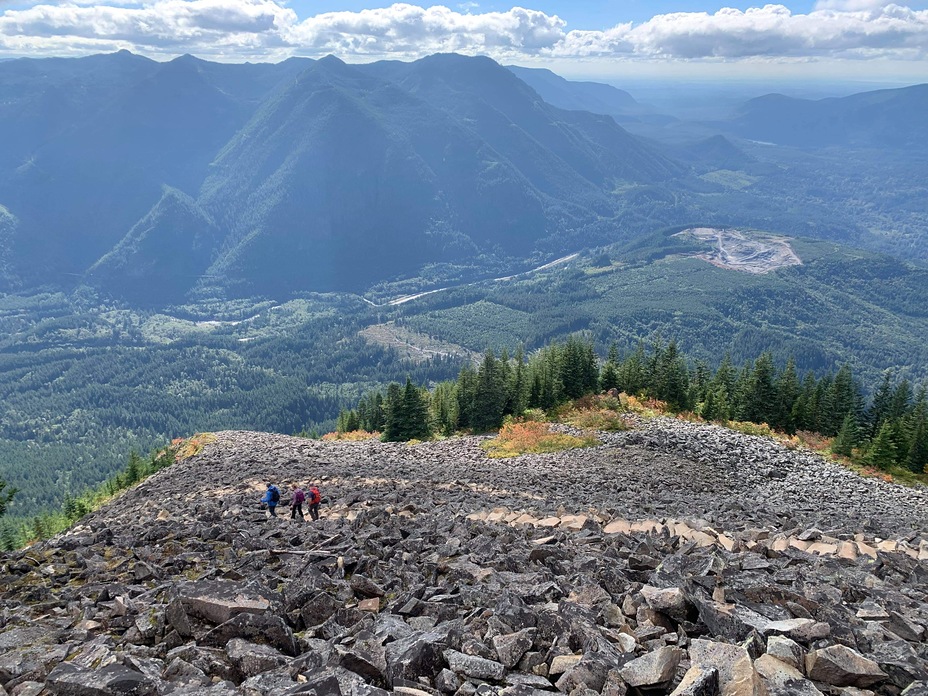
[(313, 499), (296, 502), (272, 498)]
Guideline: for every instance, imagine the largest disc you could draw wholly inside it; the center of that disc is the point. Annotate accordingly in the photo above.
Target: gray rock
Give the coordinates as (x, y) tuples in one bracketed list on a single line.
[(839, 665), (262, 628), (698, 681), (70, 680), (476, 667), (781, 679), (251, 659), (217, 601), (733, 663), (655, 669), (511, 647), (787, 650)]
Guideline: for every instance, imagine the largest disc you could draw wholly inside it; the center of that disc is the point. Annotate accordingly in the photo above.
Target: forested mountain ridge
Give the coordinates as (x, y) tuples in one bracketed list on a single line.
[(443, 166), (299, 165)]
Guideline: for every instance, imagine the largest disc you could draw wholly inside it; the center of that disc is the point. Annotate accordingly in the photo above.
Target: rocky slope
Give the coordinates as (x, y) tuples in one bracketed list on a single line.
[(673, 559)]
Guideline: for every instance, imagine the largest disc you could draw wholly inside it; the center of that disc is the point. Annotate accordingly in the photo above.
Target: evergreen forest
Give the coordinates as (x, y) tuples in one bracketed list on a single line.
[(889, 431)]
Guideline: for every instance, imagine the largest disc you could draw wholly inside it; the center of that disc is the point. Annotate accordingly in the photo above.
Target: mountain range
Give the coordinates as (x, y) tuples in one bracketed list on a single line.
[(161, 183), (154, 181)]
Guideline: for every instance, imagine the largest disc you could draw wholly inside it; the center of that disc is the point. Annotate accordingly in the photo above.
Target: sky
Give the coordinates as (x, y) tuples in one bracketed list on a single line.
[(596, 39)]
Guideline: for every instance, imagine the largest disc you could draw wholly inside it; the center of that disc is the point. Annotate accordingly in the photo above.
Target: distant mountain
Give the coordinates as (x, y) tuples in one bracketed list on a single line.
[(717, 152), (893, 118), (595, 97), (305, 175)]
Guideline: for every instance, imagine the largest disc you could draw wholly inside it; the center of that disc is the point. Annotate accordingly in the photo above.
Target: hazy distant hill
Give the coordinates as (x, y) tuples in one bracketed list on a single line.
[(885, 118), (595, 97)]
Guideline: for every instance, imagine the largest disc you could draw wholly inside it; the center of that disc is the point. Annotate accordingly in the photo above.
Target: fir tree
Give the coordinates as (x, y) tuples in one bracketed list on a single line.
[(917, 457), (884, 452), (879, 407), (787, 390), (415, 413), (632, 372), (760, 401), (6, 495), (848, 436), (394, 418), (489, 395)]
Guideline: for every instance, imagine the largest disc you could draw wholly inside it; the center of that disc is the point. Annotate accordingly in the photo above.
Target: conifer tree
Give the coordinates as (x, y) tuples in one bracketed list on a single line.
[(917, 457), (848, 436), (801, 414), (609, 376), (760, 400), (518, 387), (489, 395), (6, 495), (466, 387), (787, 390), (879, 407), (884, 452), (415, 413), (673, 378), (632, 372), (917, 452), (394, 416)]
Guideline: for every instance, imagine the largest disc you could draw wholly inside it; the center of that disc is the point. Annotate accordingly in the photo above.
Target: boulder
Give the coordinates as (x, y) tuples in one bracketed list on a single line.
[(475, 667), (512, 646), (840, 665), (698, 681), (781, 679), (217, 601), (266, 629), (670, 601), (787, 650), (736, 670), (251, 659), (113, 680), (654, 669)]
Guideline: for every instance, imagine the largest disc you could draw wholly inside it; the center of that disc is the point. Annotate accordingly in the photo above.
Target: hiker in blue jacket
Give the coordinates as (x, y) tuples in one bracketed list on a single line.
[(272, 498)]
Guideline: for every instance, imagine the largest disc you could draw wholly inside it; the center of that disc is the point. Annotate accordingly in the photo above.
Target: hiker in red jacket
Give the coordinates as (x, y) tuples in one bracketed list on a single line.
[(313, 499), (296, 502)]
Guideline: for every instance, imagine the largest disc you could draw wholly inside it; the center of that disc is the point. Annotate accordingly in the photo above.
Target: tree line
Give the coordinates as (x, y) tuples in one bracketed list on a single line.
[(888, 430)]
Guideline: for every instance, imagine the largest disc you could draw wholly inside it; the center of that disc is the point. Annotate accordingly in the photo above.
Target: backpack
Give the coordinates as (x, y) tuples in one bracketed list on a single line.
[(298, 496), (314, 497), (275, 495)]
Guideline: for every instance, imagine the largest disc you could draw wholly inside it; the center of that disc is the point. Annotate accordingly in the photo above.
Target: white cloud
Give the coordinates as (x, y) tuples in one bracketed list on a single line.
[(410, 30), (249, 29), (768, 32)]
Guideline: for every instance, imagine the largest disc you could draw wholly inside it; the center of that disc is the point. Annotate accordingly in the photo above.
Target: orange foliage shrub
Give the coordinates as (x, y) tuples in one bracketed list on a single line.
[(532, 437), (870, 472), (184, 448)]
